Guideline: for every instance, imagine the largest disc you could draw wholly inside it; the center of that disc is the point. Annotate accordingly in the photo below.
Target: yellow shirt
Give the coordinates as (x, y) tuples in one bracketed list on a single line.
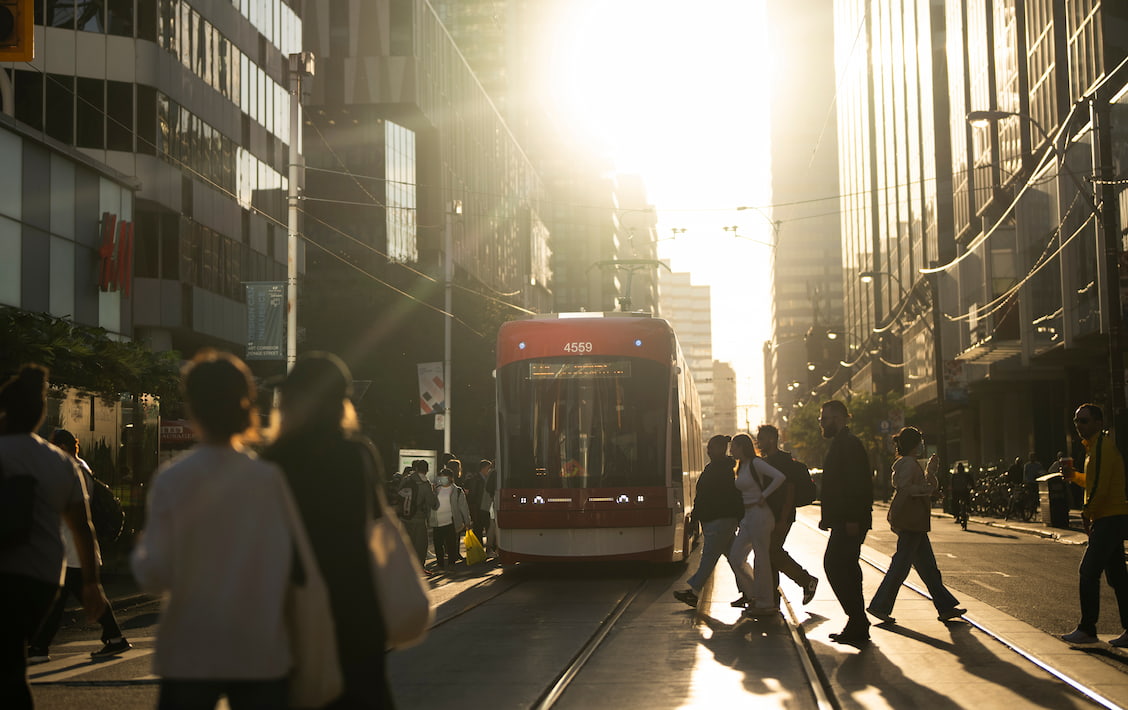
[(1110, 498)]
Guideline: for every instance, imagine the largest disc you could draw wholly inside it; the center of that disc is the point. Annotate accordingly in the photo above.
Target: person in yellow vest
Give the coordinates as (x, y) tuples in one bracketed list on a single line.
[(1106, 520)]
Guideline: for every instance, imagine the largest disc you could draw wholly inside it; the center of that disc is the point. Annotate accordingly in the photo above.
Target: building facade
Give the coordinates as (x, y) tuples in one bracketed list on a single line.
[(688, 308)]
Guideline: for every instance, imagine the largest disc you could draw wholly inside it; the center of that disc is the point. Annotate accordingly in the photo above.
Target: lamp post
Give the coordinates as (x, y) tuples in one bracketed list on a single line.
[(937, 355), (448, 305), (300, 66), (1108, 239)]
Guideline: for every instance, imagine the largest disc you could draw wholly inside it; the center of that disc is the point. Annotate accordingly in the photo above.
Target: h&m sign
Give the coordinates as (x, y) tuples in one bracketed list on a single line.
[(116, 252)]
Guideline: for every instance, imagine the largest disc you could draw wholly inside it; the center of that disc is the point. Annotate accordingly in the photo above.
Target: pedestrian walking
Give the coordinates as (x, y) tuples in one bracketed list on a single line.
[(489, 503), (474, 484), (718, 507), (31, 559), (847, 512), (334, 475), (1106, 520), (449, 520), (217, 544), (756, 480), (910, 518), (417, 500), (782, 504), (113, 643)]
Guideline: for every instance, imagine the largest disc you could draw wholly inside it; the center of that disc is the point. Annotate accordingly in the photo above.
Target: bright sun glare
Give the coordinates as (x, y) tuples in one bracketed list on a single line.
[(677, 93)]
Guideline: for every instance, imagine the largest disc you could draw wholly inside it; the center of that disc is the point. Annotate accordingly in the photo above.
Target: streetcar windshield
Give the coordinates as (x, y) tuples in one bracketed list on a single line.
[(583, 422)]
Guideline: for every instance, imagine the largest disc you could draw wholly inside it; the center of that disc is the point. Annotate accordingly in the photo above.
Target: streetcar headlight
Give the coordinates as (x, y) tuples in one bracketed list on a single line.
[(638, 343), (521, 345), (623, 499)]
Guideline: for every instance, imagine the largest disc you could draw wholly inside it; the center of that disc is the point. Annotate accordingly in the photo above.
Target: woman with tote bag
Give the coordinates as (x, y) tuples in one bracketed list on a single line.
[(910, 517)]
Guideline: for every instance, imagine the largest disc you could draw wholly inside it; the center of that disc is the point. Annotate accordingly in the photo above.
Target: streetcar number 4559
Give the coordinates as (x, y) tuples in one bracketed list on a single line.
[(577, 347)]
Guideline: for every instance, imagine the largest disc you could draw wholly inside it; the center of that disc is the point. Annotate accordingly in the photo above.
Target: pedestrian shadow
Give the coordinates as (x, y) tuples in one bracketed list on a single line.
[(983, 662), (1117, 657), (744, 647), (859, 674), (986, 533)]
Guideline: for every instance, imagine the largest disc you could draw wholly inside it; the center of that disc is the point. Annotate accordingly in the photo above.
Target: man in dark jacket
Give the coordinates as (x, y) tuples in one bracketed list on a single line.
[(782, 503), (718, 507), (847, 504)]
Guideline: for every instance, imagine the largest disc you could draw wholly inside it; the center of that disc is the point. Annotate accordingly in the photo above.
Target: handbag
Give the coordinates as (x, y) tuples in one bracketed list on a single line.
[(910, 513), (315, 679), (404, 600), (475, 553), (17, 509)]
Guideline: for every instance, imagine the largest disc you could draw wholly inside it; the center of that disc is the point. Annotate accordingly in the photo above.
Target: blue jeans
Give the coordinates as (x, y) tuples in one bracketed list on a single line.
[(1105, 553), (914, 551), (718, 536), (241, 694)]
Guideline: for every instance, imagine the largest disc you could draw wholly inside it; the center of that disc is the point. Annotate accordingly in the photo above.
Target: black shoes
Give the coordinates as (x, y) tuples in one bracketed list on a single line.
[(687, 596), (112, 648)]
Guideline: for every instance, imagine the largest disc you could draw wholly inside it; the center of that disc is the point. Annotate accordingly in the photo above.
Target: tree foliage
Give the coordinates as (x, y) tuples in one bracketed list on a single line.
[(867, 412), (84, 357)]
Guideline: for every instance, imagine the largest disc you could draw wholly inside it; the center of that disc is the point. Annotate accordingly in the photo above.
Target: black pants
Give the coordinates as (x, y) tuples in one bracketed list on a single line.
[(72, 585), (481, 525), (1104, 554), (841, 561), (204, 694), (25, 602), (446, 544)]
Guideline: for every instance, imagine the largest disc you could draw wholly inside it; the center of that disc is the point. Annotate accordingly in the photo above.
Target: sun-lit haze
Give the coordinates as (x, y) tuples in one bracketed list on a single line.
[(677, 92)]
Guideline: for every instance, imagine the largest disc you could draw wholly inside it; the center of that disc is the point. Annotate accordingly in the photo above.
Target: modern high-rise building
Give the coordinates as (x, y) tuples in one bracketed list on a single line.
[(806, 259), (724, 401), (688, 308)]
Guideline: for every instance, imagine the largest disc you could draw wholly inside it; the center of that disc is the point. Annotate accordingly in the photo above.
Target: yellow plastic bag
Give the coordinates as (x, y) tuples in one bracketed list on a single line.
[(475, 553)]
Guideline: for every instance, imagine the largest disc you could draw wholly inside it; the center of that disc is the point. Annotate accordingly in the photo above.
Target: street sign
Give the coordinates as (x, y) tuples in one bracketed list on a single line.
[(885, 426)]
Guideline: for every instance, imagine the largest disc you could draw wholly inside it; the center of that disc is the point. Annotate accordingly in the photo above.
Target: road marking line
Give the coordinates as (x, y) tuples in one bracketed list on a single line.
[(988, 586)]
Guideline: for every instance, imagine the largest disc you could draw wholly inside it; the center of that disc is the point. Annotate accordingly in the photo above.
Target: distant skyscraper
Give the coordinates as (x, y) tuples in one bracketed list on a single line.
[(724, 400), (807, 261), (688, 308)]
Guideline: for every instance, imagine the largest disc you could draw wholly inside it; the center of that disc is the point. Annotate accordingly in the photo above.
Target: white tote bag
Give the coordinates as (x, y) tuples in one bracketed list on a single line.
[(315, 679), (404, 600)]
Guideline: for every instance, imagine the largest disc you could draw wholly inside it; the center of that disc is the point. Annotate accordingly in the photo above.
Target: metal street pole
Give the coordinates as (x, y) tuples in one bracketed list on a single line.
[(301, 65), (455, 208), (1108, 239)]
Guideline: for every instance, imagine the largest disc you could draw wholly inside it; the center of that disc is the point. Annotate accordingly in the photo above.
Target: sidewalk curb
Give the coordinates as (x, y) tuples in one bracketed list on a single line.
[(1055, 534)]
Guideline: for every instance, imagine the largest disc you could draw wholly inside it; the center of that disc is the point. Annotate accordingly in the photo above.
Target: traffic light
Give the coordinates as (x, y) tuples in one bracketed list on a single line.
[(17, 31)]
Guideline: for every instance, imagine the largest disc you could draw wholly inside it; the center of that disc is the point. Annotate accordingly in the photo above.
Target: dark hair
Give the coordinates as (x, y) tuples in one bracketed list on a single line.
[(64, 440), (23, 399), (723, 438), (483, 464), (447, 472), (907, 439), (407, 470), (420, 465), (1094, 411), (837, 405), (767, 429), (314, 394), (745, 443), (220, 394)]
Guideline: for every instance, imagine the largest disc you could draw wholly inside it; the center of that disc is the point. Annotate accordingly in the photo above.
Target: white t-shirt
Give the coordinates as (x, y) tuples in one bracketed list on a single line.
[(444, 515), (217, 543), (58, 485)]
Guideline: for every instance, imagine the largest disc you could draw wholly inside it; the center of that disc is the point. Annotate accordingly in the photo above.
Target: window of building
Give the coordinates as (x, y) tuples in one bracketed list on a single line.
[(90, 108), (119, 115), (60, 103)]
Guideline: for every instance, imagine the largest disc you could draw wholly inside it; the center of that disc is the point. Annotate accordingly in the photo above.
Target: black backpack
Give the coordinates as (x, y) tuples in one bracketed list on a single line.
[(408, 501), (800, 477), (105, 511)]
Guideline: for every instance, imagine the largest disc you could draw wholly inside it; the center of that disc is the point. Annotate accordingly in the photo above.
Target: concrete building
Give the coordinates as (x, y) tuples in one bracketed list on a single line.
[(688, 308), (724, 400), (806, 261)]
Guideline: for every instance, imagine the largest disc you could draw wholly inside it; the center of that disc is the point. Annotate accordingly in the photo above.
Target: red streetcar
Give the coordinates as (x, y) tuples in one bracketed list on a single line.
[(599, 439)]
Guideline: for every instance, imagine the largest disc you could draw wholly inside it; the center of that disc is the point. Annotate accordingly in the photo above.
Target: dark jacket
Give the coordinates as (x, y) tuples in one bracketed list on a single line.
[(717, 496), (331, 478), (474, 485), (782, 502), (847, 486)]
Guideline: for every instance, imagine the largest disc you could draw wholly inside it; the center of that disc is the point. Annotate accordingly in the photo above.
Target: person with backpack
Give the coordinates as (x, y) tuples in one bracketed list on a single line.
[(113, 643), (416, 501), (798, 490), (756, 480)]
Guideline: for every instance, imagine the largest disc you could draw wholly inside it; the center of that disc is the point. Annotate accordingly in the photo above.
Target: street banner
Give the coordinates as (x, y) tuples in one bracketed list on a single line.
[(266, 314), (432, 393)]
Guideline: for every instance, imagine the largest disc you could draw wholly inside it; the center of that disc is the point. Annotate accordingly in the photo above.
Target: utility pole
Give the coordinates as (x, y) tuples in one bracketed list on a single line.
[(1108, 239), (453, 210), (301, 65)]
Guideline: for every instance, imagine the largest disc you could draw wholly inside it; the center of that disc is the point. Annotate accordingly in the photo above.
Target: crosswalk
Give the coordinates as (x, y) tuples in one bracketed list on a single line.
[(71, 664)]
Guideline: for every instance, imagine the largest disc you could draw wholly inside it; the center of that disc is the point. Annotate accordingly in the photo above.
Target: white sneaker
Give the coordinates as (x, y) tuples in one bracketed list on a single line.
[(1079, 637), (1120, 641)]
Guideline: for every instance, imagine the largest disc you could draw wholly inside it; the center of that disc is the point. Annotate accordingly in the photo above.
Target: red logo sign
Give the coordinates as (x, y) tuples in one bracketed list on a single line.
[(116, 252)]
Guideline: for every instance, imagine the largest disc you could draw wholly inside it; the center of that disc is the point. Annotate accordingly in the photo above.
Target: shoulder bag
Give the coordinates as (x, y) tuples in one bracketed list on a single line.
[(404, 600), (315, 679), (909, 513)]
